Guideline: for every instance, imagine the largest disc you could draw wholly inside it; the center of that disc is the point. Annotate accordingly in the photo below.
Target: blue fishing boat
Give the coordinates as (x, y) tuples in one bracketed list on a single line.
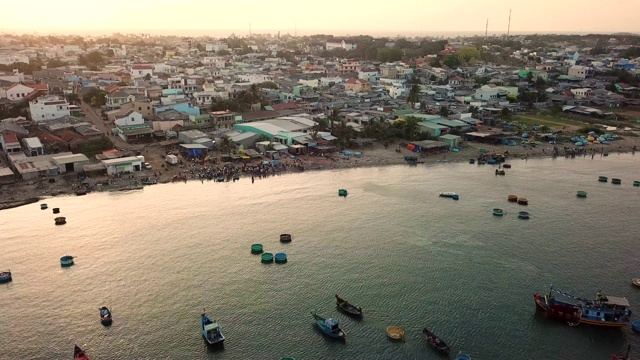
[(105, 316), (330, 326), (604, 310), (211, 330), (5, 276)]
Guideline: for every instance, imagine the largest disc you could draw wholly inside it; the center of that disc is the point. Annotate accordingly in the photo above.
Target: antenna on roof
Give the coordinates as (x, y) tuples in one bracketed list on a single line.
[(509, 26)]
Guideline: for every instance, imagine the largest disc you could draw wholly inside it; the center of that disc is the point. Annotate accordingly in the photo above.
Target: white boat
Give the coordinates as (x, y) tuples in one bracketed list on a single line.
[(211, 330), (448, 194)]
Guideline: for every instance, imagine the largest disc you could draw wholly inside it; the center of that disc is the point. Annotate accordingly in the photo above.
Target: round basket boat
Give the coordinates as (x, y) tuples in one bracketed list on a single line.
[(635, 326), (581, 194), (635, 282), (506, 166), (60, 220), (43, 206), (5, 276), (256, 249), (512, 198), (498, 212), (56, 210), (616, 181), (523, 215), (342, 192), (267, 258), (603, 179), (523, 201), (281, 258), (636, 183), (395, 332), (285, 237)]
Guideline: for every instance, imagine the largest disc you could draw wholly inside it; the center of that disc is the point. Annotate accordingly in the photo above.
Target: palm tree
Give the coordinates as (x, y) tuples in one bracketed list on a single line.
[(226, 145), (334, 117)]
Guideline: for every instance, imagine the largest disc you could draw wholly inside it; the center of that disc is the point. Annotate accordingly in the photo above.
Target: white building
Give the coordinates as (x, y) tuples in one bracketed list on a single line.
[(215, 61), (8, 59), (340, 44), (216, 46), (129, 119), (329, 81), (17, 92), (33, 146), (254, 78), (123, 165), (582, 93), (370, 75), (140, 71), (48, 108)]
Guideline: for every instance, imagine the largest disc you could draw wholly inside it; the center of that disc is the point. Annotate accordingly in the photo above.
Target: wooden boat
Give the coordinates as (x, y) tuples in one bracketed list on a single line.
[(622, 357), (635, 282), (81, 191), (506, 166), (395, 332), (211, 330), (523, 201), (105, 316), (512, 198), (498, 212), (605, 311), (462, 356), (348, 308), (329, 326), (78, 354), (435, 341), (500, 172), (5, 276), (285, 237)]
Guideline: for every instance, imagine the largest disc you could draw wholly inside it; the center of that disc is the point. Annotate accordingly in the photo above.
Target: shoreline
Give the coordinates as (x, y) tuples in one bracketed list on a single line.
[(376, 156)]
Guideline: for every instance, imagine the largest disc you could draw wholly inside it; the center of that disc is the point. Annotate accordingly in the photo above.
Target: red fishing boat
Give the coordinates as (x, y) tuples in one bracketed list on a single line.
[(78, 354)]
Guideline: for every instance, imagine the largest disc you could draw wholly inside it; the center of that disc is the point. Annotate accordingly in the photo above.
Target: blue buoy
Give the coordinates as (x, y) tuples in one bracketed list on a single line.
[(281, 258)]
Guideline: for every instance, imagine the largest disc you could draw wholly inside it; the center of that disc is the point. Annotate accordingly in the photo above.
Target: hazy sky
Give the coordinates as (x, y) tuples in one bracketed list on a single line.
[(332, 16)]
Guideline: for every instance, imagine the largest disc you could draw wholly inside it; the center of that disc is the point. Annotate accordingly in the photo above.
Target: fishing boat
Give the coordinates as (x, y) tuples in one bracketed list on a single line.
[(211, 330), (348, 308), (498, 212), (622, 357), (506, 166), (105, 316), (462, 356), (395, 332), (81, 191), (329, 326), (448, 194), (635, 282), (435, 341), (604, 310), (78, 354), (66, 261), (5, 276)]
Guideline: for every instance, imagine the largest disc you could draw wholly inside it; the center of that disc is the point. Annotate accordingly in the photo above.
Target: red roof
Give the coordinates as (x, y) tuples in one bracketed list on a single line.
[(41, 87), (47, 138), (10, 137), (142, 67), (69, 136)]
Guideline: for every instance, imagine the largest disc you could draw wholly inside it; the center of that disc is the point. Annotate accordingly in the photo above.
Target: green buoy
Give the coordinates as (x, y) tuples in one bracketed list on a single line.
[(256, 248), (267, 257)]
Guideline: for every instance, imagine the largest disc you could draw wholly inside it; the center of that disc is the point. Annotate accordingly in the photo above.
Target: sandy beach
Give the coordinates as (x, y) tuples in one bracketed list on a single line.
[(25, 192)]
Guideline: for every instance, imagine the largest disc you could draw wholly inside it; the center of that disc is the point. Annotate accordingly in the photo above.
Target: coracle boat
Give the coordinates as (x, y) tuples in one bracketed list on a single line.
[(66, 261), (606, 311), (435, 341), (523, 201), (635, 282), (329, 326), (395, 332), (462, 356), (506, 166), (285, 238), (78, 354), (5, 276), (500, 172), (348, 308), (622, 357), (498, 212), (210, 330), (105, 316), (512, 198)]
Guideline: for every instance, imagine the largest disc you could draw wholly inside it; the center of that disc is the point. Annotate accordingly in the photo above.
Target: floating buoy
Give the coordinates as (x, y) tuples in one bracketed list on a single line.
[(256, 248), (523, 201), (582, 194), (512, 198), (66, 261), (281, 258), (285, 237), (267, 257), (60, 220), (616, 181), (498, 212), (342, 192), (523, 215), (56, 210), (43, 206)]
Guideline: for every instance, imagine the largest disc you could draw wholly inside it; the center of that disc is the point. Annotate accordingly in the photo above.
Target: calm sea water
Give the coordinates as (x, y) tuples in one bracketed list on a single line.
[(157, 256)]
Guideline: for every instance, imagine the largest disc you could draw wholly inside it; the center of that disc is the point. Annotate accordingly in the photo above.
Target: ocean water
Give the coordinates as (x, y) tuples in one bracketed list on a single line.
[(157, 256)]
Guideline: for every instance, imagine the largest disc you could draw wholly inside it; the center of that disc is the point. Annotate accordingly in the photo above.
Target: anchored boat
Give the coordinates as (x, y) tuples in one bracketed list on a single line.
[(329, 326), (5, 276), (607, 311), (210, 330), (78, 354), (435, 341), (105, 316), (347, 307)]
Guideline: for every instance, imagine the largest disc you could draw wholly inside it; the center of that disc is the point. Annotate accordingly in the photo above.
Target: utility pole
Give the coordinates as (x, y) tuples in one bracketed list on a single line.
[(249, 29), (486, 30), (509, 26)]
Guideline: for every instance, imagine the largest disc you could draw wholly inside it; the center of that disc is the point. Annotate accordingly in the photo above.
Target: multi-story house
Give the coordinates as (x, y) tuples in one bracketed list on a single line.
[(340, 44), (48, 108), (115, 100), (17, 92), (581, 72), (357, 85), (140, 71)]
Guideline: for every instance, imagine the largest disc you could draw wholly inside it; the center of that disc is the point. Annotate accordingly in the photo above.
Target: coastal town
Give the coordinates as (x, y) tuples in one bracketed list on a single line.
[(79, 114)]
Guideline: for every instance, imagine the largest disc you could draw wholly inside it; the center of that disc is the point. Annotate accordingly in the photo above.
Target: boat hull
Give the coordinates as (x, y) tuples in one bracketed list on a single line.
[(571, 314)]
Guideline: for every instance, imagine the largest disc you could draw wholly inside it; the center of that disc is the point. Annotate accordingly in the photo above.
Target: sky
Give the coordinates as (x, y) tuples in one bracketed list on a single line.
[(338, 17)]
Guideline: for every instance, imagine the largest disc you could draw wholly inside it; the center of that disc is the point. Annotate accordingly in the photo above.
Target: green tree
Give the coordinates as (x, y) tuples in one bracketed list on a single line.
[(72, 98), (468, 53), (223, 52), (414, 95), (444, 111), (505, 113), (334, 118), (147, 77), (267, 85), (433, 78), (529, 77), (435, 62), (56, 63), (95, 97), (474, 111), (452, 61), (225, 145)]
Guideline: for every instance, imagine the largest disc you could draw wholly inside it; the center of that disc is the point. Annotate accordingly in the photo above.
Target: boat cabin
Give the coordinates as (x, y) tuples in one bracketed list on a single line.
[(332, 323), (607, 308), (212, 330)]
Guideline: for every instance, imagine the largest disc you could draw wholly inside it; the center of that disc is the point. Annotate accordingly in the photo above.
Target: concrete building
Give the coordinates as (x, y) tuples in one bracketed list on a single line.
[(10, 143), (123, 165), (48, 108), (33, 146), (131, 118), (581, 72)]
